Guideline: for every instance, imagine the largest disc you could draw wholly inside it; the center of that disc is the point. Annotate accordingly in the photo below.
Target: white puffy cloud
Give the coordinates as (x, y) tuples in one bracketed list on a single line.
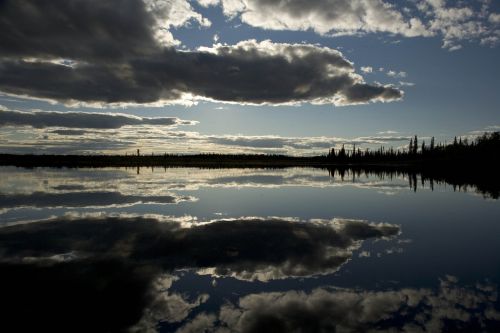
[(423, 18), (457, 23), (172, 14), (206, 3), (494, 18), (395, 74), (324, 16)]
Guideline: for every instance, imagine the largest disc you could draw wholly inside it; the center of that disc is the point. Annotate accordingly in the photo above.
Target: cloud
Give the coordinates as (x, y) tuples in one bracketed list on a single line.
[(249, 72), (388, 132), (91, 30), (361, 93), (490, 40), (70, 132), (449, 308), (108, 59), (392, 73), (247, 247), (494, 18), (367, 69), (157, 139), (43, 119), (426, 18), (459, 23), (407, 84), (324, 16)]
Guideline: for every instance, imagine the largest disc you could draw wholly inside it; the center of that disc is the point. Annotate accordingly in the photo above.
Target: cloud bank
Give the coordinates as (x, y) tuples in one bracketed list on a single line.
[(150, 137), (43, 119), (86, 52)]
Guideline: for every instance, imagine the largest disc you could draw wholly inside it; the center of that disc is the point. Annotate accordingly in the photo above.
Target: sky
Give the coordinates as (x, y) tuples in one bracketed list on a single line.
[(244, 76)]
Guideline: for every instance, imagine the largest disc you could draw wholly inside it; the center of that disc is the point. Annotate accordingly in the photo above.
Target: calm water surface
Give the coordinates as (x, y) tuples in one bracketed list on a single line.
[(248, 250)]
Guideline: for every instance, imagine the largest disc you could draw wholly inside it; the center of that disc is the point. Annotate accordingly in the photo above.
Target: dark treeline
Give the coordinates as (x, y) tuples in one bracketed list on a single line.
[(210, 160), (483, 148)]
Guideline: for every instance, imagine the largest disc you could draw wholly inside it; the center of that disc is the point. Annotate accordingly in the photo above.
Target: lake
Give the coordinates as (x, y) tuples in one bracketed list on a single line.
[(245, 250)]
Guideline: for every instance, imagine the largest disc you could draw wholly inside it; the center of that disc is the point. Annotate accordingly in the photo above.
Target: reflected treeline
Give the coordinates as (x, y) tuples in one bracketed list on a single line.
[(485, 183)]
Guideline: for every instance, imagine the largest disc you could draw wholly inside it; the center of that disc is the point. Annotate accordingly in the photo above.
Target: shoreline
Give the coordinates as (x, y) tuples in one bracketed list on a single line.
[(203, 160)]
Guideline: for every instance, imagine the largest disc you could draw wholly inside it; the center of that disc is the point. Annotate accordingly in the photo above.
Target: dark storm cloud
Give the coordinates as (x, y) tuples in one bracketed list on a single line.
[(88, 30), (59, 55), (80, 199), (246, 248), (42, 119), (362, 93), (247, 76)]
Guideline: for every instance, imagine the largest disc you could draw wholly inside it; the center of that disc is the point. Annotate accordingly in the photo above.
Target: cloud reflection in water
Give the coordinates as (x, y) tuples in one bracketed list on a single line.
[(243, 248), (450, 308)]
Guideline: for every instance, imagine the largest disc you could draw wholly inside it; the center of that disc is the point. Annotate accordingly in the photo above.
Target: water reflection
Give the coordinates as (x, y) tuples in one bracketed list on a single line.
[(154, 181), (111, 272), (449, 308), (486, 184), (115, 274), (246, 250), (82, 199)]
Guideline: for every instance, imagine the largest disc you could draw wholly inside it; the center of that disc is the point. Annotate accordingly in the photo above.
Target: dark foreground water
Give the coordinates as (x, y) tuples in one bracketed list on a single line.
[(241, 250)]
